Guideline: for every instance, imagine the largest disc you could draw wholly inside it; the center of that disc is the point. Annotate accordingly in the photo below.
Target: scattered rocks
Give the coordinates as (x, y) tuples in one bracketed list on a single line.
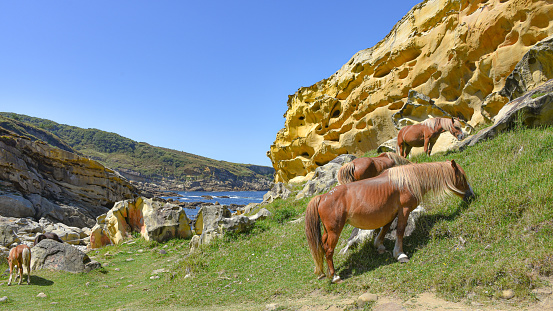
[(24, 230), (4, 299), (42, 295)]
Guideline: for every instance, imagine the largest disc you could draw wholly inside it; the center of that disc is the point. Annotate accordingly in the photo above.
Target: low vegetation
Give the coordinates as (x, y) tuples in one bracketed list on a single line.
[(503, 240)]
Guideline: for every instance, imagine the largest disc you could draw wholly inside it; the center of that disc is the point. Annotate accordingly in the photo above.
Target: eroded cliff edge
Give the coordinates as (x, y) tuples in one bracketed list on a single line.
[(459, 53), (41, 181)]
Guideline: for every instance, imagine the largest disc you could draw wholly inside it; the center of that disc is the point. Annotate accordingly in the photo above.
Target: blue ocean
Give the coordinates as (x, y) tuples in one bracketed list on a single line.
[(223, 197)]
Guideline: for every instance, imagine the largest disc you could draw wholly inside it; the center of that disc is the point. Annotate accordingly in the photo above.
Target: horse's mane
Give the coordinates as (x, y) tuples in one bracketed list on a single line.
[(447, 123), (431, 123), (398, 160), (345, 173), (420, 178)]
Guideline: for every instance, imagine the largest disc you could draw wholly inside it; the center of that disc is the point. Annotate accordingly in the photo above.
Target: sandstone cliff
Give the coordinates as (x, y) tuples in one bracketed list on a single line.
[(458, 53), (41, 181)]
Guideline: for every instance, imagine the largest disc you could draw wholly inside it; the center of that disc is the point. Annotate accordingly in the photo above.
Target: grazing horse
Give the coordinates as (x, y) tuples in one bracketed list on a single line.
[(375, 202), (367, 167), (20, 256), (47, 235), (426, 133)]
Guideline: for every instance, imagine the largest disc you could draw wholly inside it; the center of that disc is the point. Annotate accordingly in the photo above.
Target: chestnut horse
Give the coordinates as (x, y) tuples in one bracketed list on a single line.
[(367, 167), (20, 256), (426, 133), (375, 202)]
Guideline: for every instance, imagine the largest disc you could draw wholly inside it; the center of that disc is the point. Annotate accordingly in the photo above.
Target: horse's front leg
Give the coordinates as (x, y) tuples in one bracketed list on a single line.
[(400, 231), (427, 146), (11, 275)]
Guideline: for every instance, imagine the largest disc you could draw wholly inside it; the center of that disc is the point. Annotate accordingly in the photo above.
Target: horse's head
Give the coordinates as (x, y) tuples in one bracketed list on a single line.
[(461, 184), (455, 129)]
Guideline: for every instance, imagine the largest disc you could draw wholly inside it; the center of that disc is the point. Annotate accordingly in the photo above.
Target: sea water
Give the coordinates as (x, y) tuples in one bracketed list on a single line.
[(223, 197)]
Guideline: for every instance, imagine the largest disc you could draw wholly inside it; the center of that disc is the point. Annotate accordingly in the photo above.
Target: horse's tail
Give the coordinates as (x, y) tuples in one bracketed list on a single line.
[(313, 233), (26, 259), (345, 173)]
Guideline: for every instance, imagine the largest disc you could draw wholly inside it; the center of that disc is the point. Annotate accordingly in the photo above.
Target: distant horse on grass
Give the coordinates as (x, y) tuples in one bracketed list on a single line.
[(426, 133), (20, 257), (375, 202), (367, 167)]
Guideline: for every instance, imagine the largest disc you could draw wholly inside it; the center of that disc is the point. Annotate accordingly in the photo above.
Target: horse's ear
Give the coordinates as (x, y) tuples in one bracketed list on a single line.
[(454, 165)]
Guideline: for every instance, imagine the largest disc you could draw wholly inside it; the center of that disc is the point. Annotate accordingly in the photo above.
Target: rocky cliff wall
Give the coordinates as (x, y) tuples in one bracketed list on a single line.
[(457, 52), (37, 180)]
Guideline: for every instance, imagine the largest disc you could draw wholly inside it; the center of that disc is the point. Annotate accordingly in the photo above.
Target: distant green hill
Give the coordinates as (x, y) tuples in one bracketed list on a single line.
[(138, 160)]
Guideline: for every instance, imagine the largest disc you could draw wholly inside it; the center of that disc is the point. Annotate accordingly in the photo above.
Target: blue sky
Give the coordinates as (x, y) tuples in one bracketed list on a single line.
[(207, 77)]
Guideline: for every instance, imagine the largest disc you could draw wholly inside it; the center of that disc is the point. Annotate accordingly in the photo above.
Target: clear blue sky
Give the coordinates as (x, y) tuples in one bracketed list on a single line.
[(207, 77)]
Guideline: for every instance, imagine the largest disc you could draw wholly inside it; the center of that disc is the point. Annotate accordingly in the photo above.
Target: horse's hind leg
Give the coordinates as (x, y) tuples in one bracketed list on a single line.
[(20, 274), (379, 240), (330, 239)]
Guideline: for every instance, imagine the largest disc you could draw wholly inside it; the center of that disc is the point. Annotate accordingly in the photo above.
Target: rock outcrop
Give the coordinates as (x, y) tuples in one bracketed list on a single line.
[(534, 108), (40, 181), (455, 52), (154, 219)]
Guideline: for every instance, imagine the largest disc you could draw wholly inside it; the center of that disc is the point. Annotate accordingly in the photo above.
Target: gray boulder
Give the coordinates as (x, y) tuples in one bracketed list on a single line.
[(324, 178), (278, 190), (52, 255), (215, 220)]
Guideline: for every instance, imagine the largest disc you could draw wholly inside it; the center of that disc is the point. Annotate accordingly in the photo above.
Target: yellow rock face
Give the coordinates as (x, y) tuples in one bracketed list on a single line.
[(455, 52)]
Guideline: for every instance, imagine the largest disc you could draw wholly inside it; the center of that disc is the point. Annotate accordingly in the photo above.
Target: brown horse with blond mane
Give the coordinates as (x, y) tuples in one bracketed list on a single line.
[(20, 257), (375, 202), (426, 133), (367, 167)]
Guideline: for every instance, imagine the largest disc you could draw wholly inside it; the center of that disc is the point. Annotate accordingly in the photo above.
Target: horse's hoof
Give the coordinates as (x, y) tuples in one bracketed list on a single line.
[(322, 276), (403, 258), (381, 251), (336, 280)]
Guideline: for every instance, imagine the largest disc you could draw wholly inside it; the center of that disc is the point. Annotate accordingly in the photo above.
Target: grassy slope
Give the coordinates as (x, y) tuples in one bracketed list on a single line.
[(507, 233), (118, 152)]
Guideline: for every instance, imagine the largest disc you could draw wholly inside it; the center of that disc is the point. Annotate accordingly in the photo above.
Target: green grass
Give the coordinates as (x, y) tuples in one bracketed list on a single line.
[(462, 252)]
